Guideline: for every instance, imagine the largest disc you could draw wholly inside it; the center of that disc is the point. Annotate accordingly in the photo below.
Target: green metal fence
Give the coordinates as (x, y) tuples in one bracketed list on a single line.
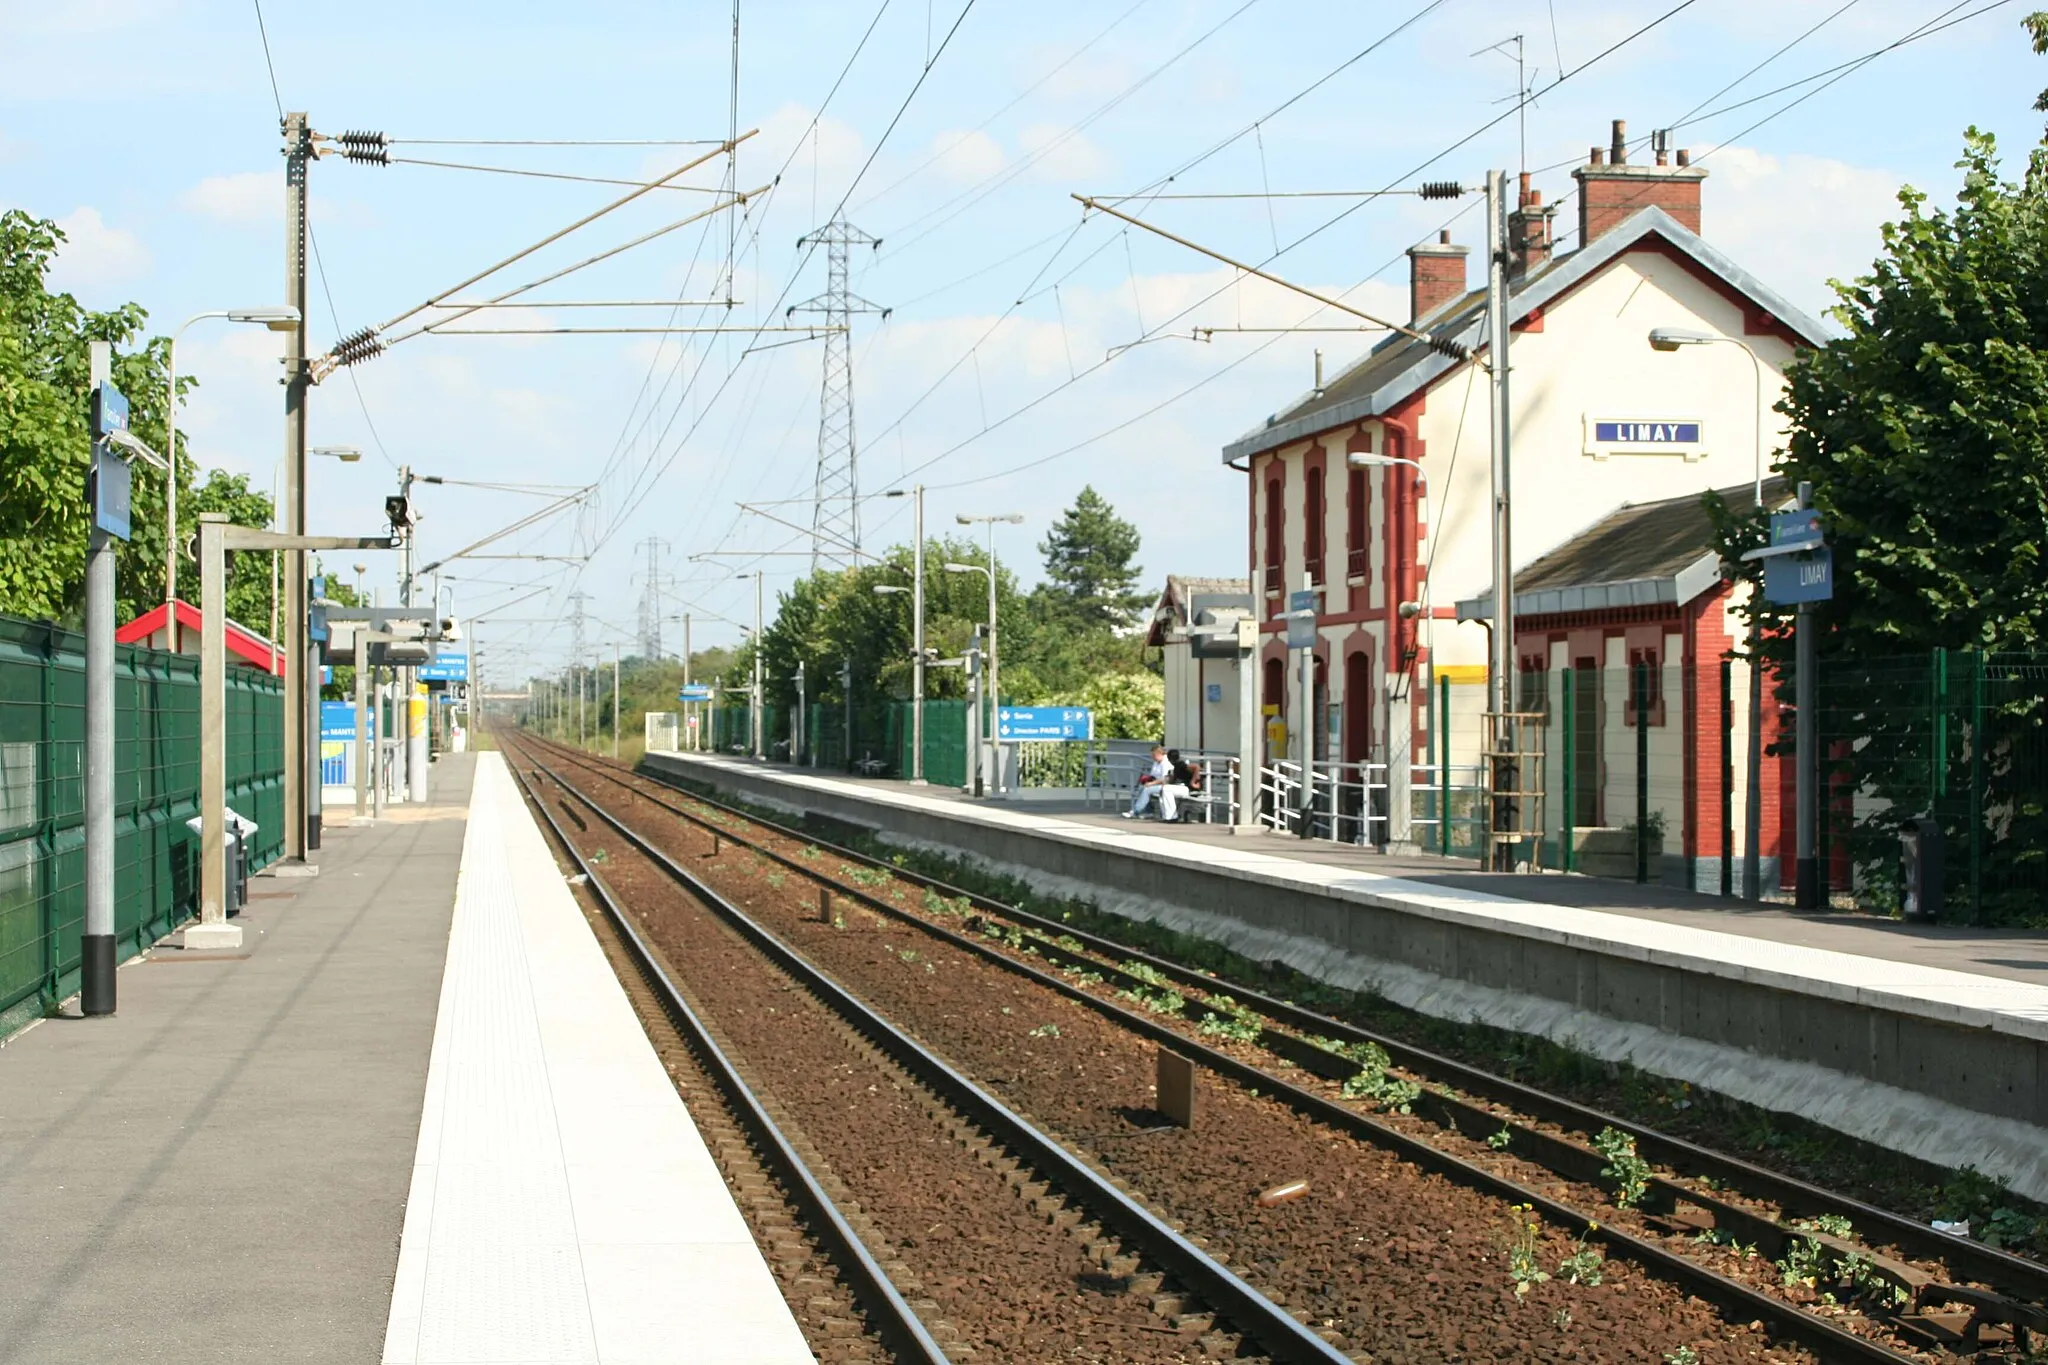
[(156, 790)]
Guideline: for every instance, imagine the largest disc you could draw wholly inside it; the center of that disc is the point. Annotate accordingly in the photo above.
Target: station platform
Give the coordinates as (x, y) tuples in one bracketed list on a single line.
[(413, 1119), (1931, 1040)]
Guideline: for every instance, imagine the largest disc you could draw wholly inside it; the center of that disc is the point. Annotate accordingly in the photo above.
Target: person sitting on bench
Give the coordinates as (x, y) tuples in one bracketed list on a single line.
[(1150, 782)]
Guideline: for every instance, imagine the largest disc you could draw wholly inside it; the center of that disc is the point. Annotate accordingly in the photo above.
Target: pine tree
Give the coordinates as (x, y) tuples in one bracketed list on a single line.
[(1089, 568)]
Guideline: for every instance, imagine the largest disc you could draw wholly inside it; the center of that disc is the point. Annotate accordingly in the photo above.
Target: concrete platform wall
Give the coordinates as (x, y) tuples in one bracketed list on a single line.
[(1939, 1079)]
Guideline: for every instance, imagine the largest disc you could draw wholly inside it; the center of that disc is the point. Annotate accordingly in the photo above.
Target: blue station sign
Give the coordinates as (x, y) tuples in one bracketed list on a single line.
[(109, 411), (1044, 722), (107, 490), (1794, 578), (445, 668), (1632, 432), (694, 692)]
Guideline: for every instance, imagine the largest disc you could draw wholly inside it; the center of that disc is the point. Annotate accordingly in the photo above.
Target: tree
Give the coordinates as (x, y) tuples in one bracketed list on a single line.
[(45, 448), (2036, 25), (1924, 432), (1088, 565)]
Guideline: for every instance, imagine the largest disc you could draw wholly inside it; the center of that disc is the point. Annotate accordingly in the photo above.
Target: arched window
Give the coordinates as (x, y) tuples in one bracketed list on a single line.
[(1357, 501)]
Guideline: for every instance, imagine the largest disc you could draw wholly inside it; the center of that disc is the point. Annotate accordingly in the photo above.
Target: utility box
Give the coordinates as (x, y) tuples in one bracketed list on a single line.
[(1920, 870)]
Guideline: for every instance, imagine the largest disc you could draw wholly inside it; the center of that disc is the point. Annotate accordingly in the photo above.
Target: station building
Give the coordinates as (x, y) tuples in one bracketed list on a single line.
[(1600, 421)]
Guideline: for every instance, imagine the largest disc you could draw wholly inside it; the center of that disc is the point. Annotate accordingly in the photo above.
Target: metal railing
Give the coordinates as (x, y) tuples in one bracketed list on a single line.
[(1447, 808), (1347, 802)]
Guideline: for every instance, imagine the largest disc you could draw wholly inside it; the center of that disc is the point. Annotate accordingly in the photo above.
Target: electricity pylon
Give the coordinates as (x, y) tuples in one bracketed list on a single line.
[(835, 509)]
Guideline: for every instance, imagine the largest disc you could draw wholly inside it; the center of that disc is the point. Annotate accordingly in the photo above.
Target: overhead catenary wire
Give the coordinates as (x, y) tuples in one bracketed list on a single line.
[(556, 235), (1410, 175), (547, 175)]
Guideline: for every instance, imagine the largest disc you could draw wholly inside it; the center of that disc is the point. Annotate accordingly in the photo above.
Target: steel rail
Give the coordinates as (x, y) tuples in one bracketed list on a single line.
[(1249, 1312), (2002, 1269), (895, 1321), (1742, 1302)]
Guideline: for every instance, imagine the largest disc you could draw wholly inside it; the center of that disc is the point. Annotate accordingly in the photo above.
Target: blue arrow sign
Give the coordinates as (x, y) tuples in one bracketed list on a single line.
[(445, 668), (1044, 722)]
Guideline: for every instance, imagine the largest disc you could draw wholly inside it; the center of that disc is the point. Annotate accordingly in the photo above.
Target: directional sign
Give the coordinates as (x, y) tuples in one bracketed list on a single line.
[(109, 411), (1800, 577), (694, 692), (1799, 529), (1044, 722), (337, 720), (445, 668)]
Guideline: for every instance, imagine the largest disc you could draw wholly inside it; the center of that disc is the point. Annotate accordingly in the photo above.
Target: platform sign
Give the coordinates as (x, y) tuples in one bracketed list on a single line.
[(1794, 578), (1800, 529), (694, 692), (337, 720), (1301, 618), (1627, 432), (106, 489), (109, 411), (445, 668), (1044, 722)]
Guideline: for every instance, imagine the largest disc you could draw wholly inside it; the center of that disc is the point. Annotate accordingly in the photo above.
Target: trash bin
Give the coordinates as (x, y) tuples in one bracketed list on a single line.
[(1920, 870), (235, 845)]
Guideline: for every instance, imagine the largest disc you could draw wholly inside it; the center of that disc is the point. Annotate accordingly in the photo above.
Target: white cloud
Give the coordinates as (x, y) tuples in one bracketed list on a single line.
[(95, 255), (1064, 154), (34, 17), (966, 158), (825, 157), (1797, 220), (244, 197)]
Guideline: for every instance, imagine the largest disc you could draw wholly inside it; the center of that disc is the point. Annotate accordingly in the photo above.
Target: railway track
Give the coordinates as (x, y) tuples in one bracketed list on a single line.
[(1912, 1292), (1149, 1293)]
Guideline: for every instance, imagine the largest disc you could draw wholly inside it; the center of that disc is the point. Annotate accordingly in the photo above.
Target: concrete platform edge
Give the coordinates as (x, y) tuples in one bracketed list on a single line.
[(1955, 1044)]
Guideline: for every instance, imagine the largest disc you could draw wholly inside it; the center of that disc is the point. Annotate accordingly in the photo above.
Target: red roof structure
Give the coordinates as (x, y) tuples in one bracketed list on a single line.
[(245, 647)]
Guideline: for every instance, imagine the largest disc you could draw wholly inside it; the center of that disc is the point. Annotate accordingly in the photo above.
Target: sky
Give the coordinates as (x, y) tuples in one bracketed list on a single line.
[(1004, 376)]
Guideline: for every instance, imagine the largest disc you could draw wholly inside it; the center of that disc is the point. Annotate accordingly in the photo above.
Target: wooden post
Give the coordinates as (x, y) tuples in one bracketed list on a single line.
[(1175, 1083)]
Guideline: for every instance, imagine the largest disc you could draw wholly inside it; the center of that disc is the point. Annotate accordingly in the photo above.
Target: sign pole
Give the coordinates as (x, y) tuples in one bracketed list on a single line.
[(1250, 739), (96, 947), (1806, 871)]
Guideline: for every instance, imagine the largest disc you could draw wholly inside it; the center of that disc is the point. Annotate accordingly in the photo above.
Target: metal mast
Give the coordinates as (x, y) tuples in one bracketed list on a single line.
[(835, 513), (650, 600)]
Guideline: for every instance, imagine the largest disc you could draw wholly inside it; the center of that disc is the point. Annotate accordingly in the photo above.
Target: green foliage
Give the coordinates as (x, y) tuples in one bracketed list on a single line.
[(1924, 432), (1500, 1141), (1684, 1355), (1126, 705), (1629, 1172), (1524, 1234), (1371, 1081), (1584, 1265), (45, 389), (1089, 571), (1232, 1021), (1046, 1031)]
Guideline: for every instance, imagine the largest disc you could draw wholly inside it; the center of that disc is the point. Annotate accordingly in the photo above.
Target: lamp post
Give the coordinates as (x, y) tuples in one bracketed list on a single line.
[(995, 696), (278, 318), (1671, 339), (754, 687), (916, 493)]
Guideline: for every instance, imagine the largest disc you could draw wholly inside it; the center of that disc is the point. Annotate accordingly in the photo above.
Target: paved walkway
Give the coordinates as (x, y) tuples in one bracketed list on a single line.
[(564, 1208), (2014, 954), (218, 1172)]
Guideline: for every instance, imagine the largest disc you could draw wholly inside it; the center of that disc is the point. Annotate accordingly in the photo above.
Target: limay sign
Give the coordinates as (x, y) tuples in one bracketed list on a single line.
[(694, 692), (1790, 579), (1680, 436)]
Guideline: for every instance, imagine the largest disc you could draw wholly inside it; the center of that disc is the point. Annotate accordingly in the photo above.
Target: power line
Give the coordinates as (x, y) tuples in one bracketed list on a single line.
[(555, 142), (263, 32), (545, 175)]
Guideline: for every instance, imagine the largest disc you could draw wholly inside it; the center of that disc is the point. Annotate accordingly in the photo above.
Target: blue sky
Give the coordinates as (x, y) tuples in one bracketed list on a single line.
[(148, 128)]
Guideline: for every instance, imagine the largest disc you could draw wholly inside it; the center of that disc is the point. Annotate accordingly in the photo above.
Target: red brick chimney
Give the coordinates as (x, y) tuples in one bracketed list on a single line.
[(1611, 190), (1529, 239), (1436, 275)]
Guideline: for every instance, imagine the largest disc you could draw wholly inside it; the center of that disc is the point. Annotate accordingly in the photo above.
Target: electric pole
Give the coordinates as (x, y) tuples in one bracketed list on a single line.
[(301, 817), (1500, 690), (650, 599), (835, 510)]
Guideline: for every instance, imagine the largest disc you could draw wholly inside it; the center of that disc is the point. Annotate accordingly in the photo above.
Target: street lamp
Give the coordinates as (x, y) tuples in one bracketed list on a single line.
[(278, 318), (994, 676), (916, 493), (1671, 339)]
